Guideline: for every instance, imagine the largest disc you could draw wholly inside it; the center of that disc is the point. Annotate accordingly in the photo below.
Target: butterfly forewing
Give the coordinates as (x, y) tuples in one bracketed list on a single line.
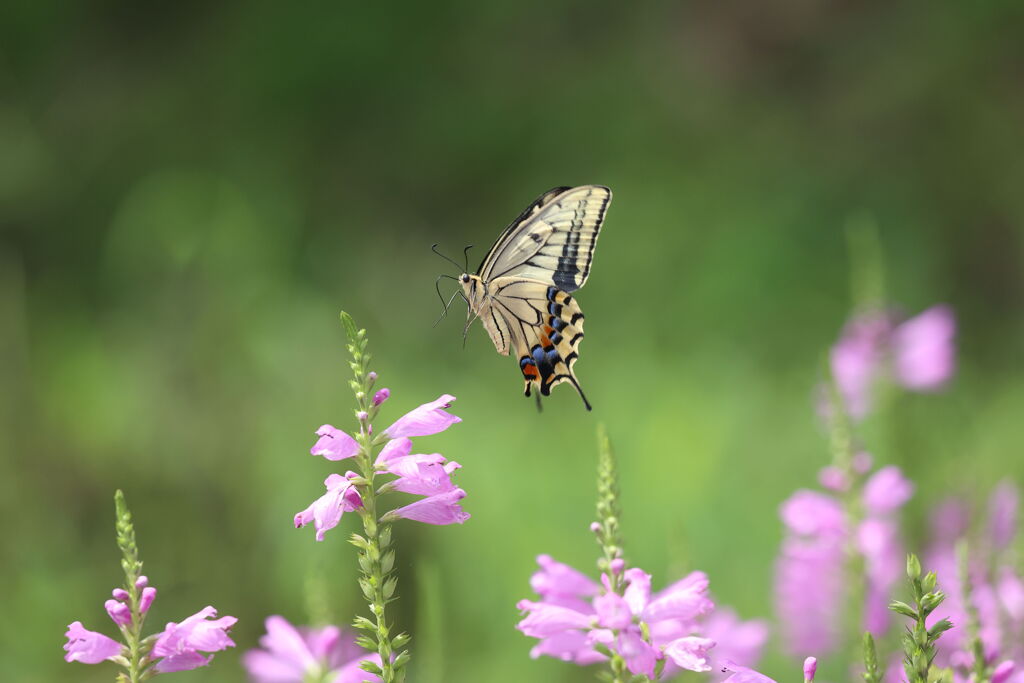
[(553, 240)]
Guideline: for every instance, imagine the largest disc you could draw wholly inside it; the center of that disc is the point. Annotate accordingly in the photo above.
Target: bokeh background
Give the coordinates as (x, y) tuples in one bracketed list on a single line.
[(190, 193)]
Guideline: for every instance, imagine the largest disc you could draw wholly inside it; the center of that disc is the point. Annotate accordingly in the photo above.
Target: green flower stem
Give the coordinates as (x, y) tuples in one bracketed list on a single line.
[(132, 565), (919, 640), (609, 512), (980, 671), (376, 560)]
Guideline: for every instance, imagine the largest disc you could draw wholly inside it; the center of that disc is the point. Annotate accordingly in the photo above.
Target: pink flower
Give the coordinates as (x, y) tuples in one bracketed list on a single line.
[(810, 668), (559, 583), (334, 444), (742, 674), (737, 641), (809, 513), (180, 645), (88, 647), (291, 655), (325, 512), (886, 490), (1003, 671), (120, 613), (429, 418), (442, 508), (690, 653), (923, 349)]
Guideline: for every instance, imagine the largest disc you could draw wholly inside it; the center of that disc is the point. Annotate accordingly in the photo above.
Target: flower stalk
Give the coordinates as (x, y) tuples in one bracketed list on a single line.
[(133, 581), (919, 640), (376, 557)]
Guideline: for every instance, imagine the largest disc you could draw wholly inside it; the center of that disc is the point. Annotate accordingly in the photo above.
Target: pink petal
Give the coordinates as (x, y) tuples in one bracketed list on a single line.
[(569, 646), (326, 511), (810, 513), (353, 673), (923, 349), (429, 418), (556, 578), (396, 448), (424, 480), (612, 611), (638, 592), (690, 652), (334, 444), (442, 508), (179, 643), (287, 644), (742, 674), (685, 599), (640, 656), (545, 620), (120, 613), (184, 661), (88, 647)]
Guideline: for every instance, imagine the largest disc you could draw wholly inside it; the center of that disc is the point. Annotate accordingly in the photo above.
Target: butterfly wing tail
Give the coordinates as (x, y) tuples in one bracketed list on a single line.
[(549, 359)]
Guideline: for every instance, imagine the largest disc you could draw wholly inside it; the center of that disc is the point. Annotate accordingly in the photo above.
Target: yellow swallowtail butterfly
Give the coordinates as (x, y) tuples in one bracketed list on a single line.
[(522, 290)]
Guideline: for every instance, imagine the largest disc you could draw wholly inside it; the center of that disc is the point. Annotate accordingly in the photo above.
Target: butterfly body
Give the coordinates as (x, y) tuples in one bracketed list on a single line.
[(522, 291)]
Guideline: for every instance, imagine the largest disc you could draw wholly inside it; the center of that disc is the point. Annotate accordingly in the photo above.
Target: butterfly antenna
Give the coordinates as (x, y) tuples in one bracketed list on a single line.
[(465, 256), (446, 305), (433, 248)]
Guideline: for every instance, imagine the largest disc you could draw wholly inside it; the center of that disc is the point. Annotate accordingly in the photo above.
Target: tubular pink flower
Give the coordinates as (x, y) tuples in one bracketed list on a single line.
[(558, 579), (736, 641), (638, 590), (429, 418), (427, 480), (690, 652), (809, 513), (545, 620), (325, 512), (334, 444), (1003, 671), (640, 656), (146, 599), (180, 645), (810, 668), (612, 611), (440, 509), (855, 359), (684, 600), (88, 647), (569, 646), (743, 674), (119, 612), (808, 583), (886, 491), (396, 449), (923, 349), (291, 655)]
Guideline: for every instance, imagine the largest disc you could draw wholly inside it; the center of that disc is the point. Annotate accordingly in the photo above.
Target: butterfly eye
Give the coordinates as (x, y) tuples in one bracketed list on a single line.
[(465, 277)]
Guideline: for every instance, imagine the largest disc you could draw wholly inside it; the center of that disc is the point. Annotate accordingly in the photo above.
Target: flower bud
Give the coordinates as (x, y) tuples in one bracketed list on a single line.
[(913, 566), (810, 668), (381, 396), (362, 416), (1003, 671), (862, 462), (142, 581), (595, 527), (119, 594), (119, 612), (372, 376), (617, 565), (148, 595)]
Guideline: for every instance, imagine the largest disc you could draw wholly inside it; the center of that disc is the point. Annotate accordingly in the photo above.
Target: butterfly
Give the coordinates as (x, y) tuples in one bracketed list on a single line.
[(522, 291)]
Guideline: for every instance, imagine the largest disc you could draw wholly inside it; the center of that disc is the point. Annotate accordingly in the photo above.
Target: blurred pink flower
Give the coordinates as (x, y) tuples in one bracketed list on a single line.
[(325, 512), (334, 444), (88, 647), (920, 351), (429, 418), (923, 351), (1002, 514), (886, 490), (180, 646), (294, 655)]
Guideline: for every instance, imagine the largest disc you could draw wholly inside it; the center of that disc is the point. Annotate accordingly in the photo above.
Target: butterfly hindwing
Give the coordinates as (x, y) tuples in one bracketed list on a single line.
[(546, 326), (553, 240)]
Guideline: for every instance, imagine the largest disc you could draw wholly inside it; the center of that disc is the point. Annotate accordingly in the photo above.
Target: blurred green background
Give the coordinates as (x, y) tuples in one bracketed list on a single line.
[(189, 193)]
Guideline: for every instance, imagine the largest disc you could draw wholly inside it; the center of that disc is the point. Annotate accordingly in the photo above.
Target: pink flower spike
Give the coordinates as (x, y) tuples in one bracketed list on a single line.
[(442, 508), (142, 581), (810, 668), (120, 594), (325, 512), (334, 444), (1003, 671), (381, 396), (180, 645), (119, 612), (887, 490), (146, 599), (923, 349), (429, 418), (88, 647), (690, 652)]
